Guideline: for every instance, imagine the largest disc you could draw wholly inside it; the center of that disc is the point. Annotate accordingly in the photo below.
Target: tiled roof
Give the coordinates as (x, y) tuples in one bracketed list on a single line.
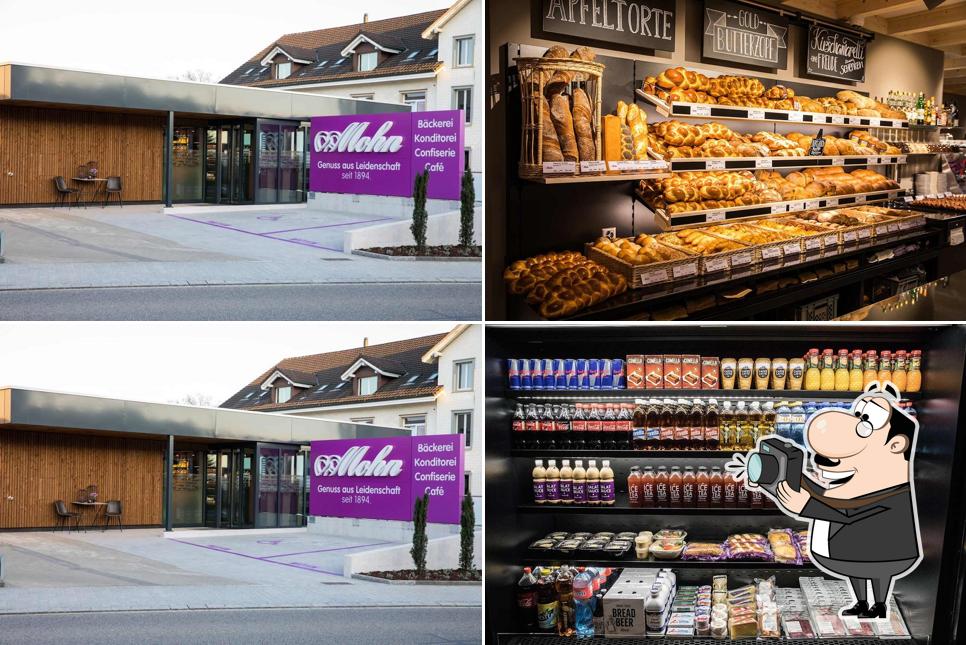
[(324, 47), (324, 372)]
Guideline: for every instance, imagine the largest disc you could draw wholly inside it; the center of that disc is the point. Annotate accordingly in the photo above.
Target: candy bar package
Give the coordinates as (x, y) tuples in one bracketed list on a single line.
[(710, 373), (635, 372), (747, 546), (654, 372), (691, 372), (801, 541), (672, 371), (703, 551), (783, 547)]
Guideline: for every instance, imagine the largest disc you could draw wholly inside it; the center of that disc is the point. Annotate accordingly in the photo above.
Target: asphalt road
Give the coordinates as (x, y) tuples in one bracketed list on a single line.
[(436, 301), (346, 626)]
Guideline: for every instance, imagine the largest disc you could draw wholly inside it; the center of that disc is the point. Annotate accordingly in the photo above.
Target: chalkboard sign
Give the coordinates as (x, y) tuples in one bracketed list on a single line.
[(835, 54), (627, 25), (817, 149), (744, 34)]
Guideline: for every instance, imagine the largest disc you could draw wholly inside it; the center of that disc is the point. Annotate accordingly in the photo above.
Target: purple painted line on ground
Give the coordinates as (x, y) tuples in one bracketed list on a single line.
[(262, 235), (251, 557), (308, 228), (340, 548)]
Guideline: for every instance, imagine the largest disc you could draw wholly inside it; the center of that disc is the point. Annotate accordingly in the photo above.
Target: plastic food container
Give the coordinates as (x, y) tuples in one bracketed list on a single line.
[(667, 549), (671, 534)]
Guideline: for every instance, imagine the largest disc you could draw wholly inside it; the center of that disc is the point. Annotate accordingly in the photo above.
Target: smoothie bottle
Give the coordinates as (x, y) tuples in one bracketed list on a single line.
[(593, 483), (580, 483), (885, 366), (539, 482), (607, 484), (827, 378), (855, 371), (842, 371), (553, 482), (899, 374), (813, 373), (871, 372), (914, 376), (566, 483)]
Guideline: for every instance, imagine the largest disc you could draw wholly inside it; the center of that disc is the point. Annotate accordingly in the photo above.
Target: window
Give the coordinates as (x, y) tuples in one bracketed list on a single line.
[(364, 97), (283, 393), (466, 157), (368, 385), (463, 54), (463, 424), (463, 100), (415, 424), (368, 420), (368, 61), (466, 484), (415, 100), (464, 375), (283, 70), (412, 55)]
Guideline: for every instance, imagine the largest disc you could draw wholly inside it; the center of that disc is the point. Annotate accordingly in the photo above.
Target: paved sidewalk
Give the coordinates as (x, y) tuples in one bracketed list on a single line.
[(141, 570), (139, 246)]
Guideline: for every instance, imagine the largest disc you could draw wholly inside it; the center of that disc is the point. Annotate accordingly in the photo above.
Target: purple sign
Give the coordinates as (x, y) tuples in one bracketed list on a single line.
[(380, 478), (380, 154)]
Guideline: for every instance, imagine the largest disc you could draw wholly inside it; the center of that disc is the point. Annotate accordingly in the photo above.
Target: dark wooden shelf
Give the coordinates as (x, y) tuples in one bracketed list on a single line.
[(624, 509), (628, 395)]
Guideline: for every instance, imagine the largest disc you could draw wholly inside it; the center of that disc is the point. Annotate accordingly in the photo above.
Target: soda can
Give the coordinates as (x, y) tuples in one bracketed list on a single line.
[(593, 373), (525, 382), (513, 373), (606, 380), (570, 373), (548, 382), (620, 378), (583, 382), (559, 375), (536, 373)]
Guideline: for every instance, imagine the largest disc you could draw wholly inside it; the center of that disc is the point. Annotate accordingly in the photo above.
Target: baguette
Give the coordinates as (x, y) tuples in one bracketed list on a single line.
[(563, 123), (583, 116), (549, 143)]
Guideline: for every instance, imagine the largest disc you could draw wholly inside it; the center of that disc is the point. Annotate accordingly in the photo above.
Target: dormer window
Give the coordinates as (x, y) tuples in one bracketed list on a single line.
[(368, 61), (283, 70), (368, 385), (283, 393)]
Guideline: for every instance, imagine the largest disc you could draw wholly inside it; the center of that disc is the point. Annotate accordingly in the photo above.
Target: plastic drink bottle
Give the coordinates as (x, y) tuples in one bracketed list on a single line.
[(593, 484), (583, 591), (564, 585), (553, 483), (539, 482), (607, 484), (580, 483), (527, 601), (566, 483)]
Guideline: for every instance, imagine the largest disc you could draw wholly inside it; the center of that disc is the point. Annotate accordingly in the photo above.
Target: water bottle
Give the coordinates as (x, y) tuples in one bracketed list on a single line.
[(583, 591)]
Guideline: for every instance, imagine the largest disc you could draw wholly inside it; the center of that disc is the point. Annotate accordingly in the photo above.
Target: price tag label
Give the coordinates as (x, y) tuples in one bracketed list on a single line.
[(779, 208), (920, 197), (714, 216), (813, 244), (741, 259), (762, 163), (559, 167), (653, 276), (796, 206), (956, 236), (771, 252), (838, 119), (860, 199), (593, 166), (838, 161), (892, 227), (907, 198), (833, 250), (947, 194), (717, 264), (906, 224), (755, 113), (901, 159), (812, 204), (685, 270), (881, 229), (863, 233), (849, 236), (715, 164), (931, 196), (700, 110), (636, 166), (831, 240), (791, 248), (794, 115)]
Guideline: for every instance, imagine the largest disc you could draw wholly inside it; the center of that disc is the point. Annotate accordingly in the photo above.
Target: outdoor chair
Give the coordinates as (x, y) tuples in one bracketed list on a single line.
[(64, 516), (113, 187), (114, 510), (64, 191)]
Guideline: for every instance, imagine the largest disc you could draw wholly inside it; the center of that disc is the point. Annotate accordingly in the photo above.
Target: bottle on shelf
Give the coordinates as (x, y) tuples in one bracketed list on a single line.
[(519, 427), (743, 499), (914, 376), (729, 490), (796, 373), (580, 482), (661, 492), (561, 424), (712, 426), (728, 427), (871, 372), (899, 373), (566, 483), (578, 426), (688, 488), (755, 418), (716, 489), (827, 377), (783, 423), (553, 482), (593, 483), (547, 604), (653, 418), (564, 585), (539, 482), (696, 423), (702, 488), (639, 425), (527, 602), (813, 373), (583, 593), (742, 434), (842, 371), (885, 366), (634, 488), (625, 426), (595, 428), (674, 485), (609, 425), (607, 492), (682, 426), (855, 371), (667, 426), (532, 426), (769, 420), (547, 427)]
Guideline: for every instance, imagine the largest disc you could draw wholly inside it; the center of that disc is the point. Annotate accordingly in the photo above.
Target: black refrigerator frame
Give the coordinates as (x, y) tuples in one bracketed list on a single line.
[(931, 598)]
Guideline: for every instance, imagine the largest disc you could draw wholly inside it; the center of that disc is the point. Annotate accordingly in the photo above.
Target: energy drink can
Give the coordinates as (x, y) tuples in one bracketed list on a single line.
[(570, 373), (513, 372), (620, 379), (525, 382), (559, 374), (583, 375), (548, 383), (606, 381), (593, 373), (536, 373)]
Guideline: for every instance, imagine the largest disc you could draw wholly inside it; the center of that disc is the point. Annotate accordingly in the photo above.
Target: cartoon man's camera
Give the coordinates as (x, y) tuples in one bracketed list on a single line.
[(861, 508)]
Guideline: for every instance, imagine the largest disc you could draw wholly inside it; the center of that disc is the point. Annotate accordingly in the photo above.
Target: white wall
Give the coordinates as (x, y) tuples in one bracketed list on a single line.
[(384, 415), (468, 345), (387, 91)]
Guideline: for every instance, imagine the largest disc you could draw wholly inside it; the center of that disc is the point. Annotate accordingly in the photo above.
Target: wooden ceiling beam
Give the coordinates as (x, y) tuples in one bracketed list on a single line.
[(957, 63), (944, 37), (927, 20), (862, 8)]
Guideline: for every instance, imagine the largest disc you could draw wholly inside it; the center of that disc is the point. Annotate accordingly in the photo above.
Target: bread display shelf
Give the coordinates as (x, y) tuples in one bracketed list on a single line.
[(645, 275), (678, 164), (690, 218), (589, 178), (738, 113)]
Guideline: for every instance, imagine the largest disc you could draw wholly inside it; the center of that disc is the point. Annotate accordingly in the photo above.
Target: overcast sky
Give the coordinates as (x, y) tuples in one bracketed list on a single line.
[(162, 362), (163, 39)]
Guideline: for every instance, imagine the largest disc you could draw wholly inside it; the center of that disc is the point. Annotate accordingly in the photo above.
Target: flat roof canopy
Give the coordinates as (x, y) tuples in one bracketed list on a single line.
[(22, 408), (36, 84)]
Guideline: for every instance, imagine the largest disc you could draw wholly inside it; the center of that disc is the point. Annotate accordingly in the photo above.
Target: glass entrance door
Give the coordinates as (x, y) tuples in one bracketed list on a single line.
[(228, 164), (228, 488)]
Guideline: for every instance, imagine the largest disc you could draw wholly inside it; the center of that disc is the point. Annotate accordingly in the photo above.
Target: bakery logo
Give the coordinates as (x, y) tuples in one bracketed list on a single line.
[(353, 464), (835, 53), (352, 139), (738, 33)]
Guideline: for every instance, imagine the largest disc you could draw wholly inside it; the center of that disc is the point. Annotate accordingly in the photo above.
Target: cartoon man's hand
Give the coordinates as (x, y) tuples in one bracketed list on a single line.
[(790, 499)]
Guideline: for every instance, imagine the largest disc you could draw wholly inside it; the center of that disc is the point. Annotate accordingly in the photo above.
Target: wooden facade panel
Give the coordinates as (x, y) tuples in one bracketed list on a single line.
[(37, 144), (37, 468)]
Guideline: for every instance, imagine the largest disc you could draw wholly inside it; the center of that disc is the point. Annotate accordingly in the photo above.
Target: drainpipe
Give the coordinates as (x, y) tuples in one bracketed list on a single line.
[(169, 486), (169, 160)]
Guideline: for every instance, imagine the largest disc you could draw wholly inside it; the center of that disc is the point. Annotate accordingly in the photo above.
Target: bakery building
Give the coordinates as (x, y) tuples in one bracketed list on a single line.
[(172, 142), (725, 160), (169, 465)]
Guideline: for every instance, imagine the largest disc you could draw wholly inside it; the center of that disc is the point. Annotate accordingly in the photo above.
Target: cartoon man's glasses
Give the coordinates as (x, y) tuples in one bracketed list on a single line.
[(871, 416)]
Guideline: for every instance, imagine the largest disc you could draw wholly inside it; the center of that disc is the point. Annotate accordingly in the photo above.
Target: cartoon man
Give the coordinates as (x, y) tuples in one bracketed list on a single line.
[(863, 524)]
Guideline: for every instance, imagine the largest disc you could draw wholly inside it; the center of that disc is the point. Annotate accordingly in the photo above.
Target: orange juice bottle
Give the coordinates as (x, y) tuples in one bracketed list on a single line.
[(914, 376), (899, 372), (855, 371), (871, 372), (813, 376), (842, 371), (827, 379), (885, 366)]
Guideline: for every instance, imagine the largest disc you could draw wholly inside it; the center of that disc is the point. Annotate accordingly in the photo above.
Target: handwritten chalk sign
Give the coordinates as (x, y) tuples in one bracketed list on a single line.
[(634, 25), (745, 34), (835, 54)]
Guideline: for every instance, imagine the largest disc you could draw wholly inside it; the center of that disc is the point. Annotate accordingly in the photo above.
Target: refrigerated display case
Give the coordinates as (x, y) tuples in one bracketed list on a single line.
[(930, 598)]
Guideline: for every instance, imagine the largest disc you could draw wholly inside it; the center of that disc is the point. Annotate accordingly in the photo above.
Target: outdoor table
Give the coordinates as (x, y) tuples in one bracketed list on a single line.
[(95, 184), (94, 505)]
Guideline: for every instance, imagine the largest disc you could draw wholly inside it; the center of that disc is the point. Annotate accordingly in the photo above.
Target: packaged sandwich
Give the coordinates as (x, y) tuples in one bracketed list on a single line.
[(783, 547)]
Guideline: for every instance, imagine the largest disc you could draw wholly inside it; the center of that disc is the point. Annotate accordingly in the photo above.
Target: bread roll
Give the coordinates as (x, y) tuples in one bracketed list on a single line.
[(583, 118), (563, 123), (854, 97)]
